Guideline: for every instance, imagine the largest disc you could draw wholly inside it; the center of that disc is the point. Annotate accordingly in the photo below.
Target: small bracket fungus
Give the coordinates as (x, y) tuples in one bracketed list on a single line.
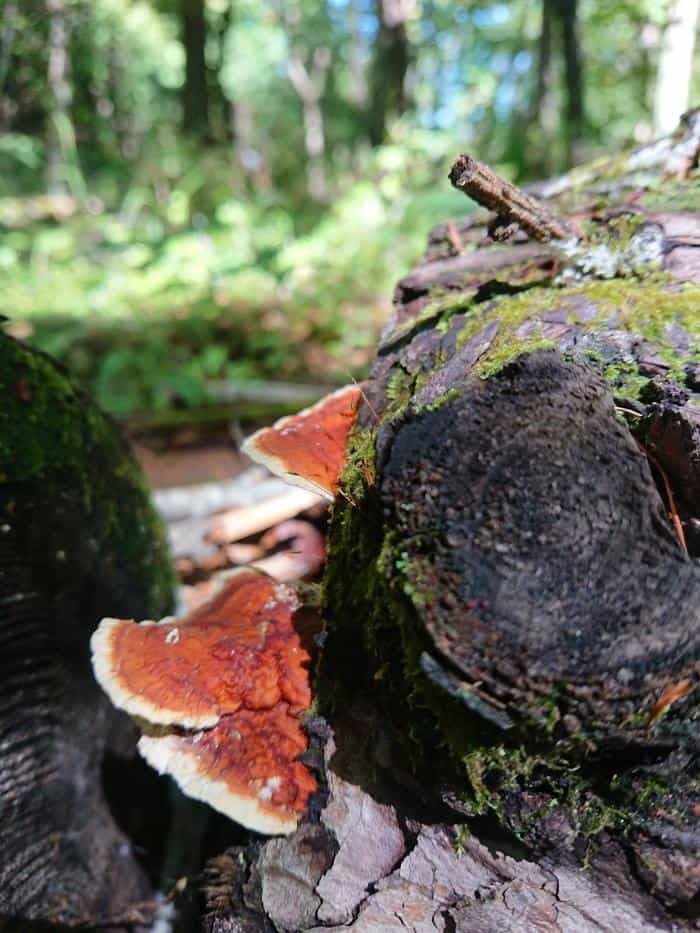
[(308, 449), (230, 680)]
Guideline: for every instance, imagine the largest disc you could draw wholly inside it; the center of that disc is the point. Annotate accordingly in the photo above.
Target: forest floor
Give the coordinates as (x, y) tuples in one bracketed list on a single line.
[(189, 459), (222, 512)]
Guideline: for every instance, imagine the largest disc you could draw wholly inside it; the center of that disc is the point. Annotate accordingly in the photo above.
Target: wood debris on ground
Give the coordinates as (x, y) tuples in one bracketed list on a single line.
[(249, 519)]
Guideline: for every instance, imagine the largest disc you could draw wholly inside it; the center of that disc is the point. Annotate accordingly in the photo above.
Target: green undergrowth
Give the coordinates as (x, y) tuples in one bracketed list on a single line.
[(150, 301)]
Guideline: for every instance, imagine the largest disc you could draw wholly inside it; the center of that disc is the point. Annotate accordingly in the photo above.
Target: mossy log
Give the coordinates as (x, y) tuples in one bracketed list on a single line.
[(512, 645), (78, 540)]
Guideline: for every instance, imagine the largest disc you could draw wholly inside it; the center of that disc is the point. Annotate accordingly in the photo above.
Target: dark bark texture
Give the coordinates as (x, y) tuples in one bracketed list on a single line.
[(573, 71), (195, 91), (78, 540), (512, 644), (391, 59)]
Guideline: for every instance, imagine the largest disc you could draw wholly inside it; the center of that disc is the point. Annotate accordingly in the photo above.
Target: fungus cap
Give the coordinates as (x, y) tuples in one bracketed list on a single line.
[(308, 449), (233, 673)]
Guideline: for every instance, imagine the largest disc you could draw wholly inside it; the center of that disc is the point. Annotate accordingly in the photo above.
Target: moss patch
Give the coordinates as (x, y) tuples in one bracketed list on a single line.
[(645, 309), (54, 444), (359, 472), (669, 194)]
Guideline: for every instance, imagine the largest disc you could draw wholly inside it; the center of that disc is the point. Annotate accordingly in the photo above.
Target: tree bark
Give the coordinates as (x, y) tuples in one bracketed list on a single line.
[(573, 76), (390, 66), (195, 93), (248, 153), (309, 81), (675, 65), (63, 169), (510, 660)]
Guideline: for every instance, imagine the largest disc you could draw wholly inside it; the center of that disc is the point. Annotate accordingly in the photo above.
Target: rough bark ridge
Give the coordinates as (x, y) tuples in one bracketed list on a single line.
[(512, 641)]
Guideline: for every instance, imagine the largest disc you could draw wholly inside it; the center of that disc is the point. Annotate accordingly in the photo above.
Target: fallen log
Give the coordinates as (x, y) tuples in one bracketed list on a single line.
[(512, 645)]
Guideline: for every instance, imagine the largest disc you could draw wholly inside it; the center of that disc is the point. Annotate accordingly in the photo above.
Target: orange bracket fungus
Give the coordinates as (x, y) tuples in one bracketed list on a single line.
[(222, 691), (308, 449)]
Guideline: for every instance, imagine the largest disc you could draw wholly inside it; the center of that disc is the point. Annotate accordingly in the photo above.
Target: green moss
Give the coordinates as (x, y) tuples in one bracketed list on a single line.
[(460, 840), (440, 309), (616, 232), (506, 352), (53, 439), (653, 790), (402, 386), (493, 771), (648, 307), (670, 194), (645, 309), (591, 814), (625, 379), (441, 400), (398, 391), (359, 471)]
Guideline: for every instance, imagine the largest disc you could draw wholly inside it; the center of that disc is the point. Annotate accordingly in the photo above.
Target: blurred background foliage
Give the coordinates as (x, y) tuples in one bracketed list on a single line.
[(194, 191)]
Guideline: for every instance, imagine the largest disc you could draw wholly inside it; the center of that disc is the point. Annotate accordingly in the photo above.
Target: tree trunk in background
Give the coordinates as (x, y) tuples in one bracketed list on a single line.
[(7, 37), (675, 65), (358, 92), (389, 67), (63, 170), (544, 59), (550, 124), (247, 153), (542, 113), (573, 76), (309, 83), (195, 96)]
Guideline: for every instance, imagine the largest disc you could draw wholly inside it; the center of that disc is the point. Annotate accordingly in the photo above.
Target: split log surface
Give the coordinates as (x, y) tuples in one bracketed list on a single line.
[(512, 645)]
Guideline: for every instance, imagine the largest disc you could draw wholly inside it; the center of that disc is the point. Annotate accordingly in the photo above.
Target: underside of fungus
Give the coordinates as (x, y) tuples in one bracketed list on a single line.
[(308, 449), (222, 691)]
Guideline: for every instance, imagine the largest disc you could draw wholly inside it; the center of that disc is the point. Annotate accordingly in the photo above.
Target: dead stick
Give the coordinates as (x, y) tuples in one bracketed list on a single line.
[(511, 204), (453, 237), (672, 508)]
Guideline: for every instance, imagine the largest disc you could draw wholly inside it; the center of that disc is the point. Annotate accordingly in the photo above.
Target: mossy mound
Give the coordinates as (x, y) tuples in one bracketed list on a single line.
[(79, 540), (57, 447)]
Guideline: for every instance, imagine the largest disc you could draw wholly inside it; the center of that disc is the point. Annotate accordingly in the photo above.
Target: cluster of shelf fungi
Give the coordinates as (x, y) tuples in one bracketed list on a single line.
[(503, 652)]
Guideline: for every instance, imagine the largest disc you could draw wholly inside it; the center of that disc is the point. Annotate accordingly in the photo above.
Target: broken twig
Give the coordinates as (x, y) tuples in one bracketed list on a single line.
[(511, 204), (454, 238), (673, 513)]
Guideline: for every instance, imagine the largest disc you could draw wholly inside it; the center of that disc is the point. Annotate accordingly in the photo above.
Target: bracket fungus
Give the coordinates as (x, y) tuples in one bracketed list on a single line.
[(308, 449), (222, 691)]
